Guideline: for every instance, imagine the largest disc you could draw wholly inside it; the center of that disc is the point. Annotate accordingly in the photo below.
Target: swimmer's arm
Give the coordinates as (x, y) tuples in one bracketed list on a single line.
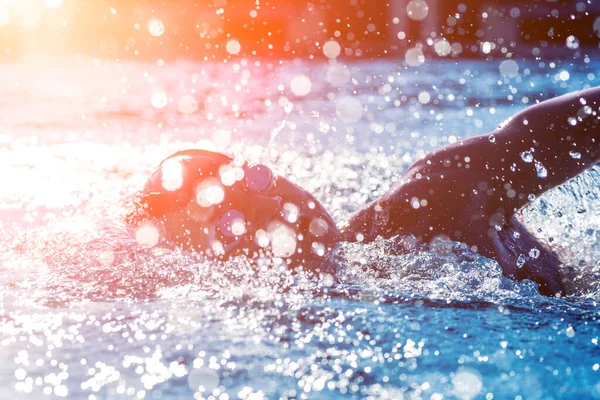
[(544, 146)]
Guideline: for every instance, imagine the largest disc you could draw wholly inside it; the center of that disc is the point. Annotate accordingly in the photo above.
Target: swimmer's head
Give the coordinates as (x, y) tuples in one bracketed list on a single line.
[(205, 201)]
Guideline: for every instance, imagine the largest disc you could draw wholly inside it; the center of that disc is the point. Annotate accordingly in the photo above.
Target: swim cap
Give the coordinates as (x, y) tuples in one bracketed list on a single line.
[(206, 202)]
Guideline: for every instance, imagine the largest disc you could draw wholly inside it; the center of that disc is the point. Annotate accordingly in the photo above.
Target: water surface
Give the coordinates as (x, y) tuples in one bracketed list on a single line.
[(88, 313)]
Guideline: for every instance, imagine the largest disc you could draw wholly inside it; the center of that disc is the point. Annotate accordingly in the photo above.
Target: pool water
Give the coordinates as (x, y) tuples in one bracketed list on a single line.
[(86, 312)]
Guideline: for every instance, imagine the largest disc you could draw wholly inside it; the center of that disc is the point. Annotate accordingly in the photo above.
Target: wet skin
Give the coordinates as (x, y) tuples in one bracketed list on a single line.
[(469, 191), (474, 188)]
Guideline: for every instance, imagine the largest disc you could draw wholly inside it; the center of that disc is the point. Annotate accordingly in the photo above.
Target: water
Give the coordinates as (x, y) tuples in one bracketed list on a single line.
[(88, 313)]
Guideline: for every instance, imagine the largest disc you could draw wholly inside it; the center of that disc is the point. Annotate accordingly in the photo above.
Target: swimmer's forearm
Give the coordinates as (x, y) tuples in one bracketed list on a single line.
[(549, 143), (565, 123)]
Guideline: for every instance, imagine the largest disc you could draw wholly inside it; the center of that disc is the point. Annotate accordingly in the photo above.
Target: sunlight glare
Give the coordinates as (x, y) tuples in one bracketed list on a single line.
[(53, 3), (4, 16)]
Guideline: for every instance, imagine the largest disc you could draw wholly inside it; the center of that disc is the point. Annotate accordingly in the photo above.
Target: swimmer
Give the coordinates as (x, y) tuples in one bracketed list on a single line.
[(471, 191)]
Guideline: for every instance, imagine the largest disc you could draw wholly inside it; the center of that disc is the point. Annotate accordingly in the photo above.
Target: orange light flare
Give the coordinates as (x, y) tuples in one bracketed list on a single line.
[(52, 37), (152, 29), (31, 26)]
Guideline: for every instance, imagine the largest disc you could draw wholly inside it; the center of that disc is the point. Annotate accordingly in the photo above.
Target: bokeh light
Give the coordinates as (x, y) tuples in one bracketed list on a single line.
[(233, 47), (417, 10), (188, 104), (172, 175), (338, 75), (331, 49), (156, 27), (301, 85), (209, 192), (509, 68), (414, 57), (147, 236), (348, 109), (159, 99)]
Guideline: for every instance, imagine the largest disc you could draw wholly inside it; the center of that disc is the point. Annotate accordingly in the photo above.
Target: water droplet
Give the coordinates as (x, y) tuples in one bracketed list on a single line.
[(331, 49), (283, 240), (492, 138), (172, 175), (572, 42), (520, 260), (527, 156), (516, 235), (486, 47), (327, 280), (534, 253), (467, 384), (540, 170), (424, 97), (575, 154), (159, 99), (261, 237), (233, 47), (338, 75), (417, 10), (147, 236), (188, 104), (509, 68), (301, 85), (232, 223), (414, 57), (318, 227), (290, 212), (214, 194), (442, 47), (106, 258), (209, 192), (570, 332), (414, 202), (318, 248), (572, 121), (531, 197), (156, 27), (596, 26), (348, 109)]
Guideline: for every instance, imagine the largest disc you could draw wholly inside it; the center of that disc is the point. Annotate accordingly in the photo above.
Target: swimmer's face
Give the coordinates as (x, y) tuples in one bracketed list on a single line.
[(208, 203)]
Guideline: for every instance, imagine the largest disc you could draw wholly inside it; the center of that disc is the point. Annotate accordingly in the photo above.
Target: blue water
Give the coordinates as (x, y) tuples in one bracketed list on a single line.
[(87, 313)]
